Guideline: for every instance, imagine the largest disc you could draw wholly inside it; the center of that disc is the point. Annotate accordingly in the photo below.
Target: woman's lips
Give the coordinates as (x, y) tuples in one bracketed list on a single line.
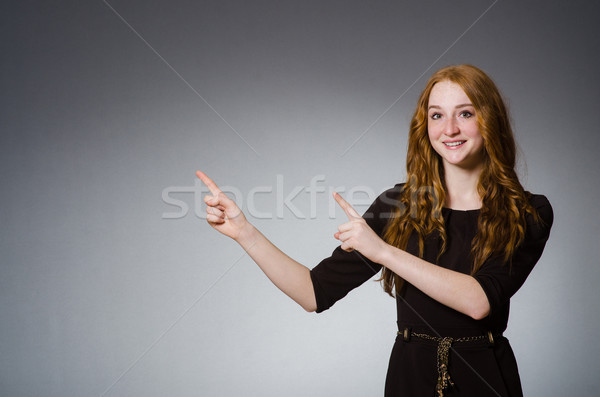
[(454, 144)]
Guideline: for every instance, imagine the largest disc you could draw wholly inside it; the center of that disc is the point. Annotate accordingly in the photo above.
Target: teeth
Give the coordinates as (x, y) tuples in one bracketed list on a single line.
[(454, 143)]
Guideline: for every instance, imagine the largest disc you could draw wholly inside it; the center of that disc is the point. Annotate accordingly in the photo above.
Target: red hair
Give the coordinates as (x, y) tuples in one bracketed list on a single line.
[(501, 223)]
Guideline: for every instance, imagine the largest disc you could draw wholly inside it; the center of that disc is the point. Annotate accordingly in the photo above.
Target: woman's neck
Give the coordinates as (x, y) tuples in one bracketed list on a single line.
[(461, 188)]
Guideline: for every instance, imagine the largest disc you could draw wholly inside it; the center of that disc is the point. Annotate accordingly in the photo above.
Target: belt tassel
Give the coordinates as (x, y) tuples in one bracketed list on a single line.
[(444, 381)]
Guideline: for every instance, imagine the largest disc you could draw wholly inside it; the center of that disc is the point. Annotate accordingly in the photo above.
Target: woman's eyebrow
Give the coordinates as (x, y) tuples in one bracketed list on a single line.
[(462, 105)]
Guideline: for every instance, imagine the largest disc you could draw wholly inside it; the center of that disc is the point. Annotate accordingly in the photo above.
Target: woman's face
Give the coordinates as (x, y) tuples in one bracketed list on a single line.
[(452, 126)]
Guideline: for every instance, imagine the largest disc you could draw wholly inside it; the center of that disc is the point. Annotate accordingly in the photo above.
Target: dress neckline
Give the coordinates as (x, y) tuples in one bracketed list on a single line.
[(463, 211)]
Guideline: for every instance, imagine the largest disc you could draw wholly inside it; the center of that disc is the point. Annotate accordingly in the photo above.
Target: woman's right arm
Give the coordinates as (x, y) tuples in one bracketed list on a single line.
[(289, 276)]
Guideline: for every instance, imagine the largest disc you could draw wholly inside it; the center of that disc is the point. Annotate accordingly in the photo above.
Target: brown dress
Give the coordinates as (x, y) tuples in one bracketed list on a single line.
[(477, 368)]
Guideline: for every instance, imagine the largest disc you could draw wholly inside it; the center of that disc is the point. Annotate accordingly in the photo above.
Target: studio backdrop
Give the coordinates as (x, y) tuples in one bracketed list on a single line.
[(113, 284)]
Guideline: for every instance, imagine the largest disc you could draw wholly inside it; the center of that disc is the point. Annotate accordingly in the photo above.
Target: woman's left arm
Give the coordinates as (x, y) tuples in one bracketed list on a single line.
[(476, 296), (456, 290)]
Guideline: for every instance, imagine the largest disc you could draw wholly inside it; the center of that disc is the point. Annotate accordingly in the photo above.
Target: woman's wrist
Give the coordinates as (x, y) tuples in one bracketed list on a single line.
[(246, 237), (386, 255)]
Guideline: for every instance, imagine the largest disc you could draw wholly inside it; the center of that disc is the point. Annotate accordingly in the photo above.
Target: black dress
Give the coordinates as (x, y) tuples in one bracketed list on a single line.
[(477, 368)]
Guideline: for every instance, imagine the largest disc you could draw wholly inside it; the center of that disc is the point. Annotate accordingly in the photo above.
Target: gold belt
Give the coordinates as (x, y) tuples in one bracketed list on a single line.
[(444, 382)]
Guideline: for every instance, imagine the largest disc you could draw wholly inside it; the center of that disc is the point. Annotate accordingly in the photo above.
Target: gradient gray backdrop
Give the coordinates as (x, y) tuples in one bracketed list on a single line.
[(101, 295)]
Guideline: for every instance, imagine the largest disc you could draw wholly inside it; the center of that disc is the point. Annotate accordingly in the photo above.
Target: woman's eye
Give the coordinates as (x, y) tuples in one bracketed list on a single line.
[(436, 116), (466, 114)]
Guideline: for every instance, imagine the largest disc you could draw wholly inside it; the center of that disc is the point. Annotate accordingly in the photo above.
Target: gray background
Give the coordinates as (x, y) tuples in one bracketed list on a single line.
[(102, 294)]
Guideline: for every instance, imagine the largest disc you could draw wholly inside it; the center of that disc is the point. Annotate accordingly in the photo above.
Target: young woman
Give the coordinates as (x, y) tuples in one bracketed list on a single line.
[(453, 244)]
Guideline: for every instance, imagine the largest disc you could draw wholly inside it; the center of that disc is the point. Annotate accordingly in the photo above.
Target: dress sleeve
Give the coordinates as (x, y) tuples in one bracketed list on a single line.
[(499, 280), (343, 271)]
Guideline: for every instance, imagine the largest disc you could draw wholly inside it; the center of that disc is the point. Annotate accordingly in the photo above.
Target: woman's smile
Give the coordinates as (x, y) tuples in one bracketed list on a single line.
[(454, 144)]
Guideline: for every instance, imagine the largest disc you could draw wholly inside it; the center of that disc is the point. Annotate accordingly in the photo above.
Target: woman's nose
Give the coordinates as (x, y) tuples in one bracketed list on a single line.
[(451, 127)]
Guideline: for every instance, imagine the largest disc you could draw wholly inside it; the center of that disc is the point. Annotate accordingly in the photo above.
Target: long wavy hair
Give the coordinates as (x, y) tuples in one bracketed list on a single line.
[(501, 223)]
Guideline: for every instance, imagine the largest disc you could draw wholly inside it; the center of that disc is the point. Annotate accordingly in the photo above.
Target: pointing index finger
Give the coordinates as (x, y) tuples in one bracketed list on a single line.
[(214, 189), (350, 212)]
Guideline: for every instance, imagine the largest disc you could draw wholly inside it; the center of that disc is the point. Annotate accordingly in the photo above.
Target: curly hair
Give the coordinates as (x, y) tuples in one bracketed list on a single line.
[(501, 222)]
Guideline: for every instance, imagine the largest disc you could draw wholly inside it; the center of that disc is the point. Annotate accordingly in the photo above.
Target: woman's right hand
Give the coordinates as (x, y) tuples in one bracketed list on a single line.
[(223, 214)]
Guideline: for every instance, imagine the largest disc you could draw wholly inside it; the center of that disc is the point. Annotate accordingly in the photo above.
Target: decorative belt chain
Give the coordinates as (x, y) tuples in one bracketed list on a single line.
[(444, 381)]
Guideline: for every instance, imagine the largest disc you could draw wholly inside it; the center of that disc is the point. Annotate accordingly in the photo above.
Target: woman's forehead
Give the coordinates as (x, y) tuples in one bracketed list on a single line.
[(446, 92)]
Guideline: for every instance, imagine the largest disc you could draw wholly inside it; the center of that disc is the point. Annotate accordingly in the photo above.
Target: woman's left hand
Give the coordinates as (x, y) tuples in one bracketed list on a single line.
[(358, 235)]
